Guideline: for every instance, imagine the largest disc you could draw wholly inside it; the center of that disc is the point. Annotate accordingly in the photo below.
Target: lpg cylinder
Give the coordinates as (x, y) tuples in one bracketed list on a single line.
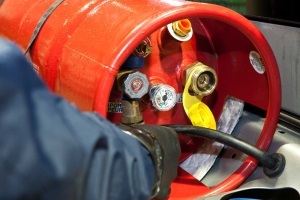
[(80, 47)]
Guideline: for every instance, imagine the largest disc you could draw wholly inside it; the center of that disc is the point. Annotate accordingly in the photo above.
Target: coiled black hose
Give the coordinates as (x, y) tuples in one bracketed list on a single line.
[(274, 163)]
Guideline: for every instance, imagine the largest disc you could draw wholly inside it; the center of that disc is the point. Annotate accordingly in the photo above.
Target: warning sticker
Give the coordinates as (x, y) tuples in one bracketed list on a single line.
[(114, 107), (256, 62)]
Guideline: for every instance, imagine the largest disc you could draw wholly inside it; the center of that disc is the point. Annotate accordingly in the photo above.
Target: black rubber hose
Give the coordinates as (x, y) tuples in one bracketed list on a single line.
[(267, 160)]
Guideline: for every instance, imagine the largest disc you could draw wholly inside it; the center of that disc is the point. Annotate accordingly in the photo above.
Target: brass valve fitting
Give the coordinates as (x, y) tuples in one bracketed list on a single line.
[(204, 79), (131, 112), (182, 27)]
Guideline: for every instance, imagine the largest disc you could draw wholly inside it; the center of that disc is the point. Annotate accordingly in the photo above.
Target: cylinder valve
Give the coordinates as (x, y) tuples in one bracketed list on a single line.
[(203, 78), (135, 85), (181, 30)]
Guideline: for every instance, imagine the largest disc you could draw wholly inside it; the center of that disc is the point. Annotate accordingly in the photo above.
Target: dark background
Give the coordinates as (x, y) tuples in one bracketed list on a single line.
[(286, 10)]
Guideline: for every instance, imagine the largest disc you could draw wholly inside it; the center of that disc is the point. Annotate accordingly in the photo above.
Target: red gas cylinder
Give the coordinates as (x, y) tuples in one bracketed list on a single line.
[(82, 46)]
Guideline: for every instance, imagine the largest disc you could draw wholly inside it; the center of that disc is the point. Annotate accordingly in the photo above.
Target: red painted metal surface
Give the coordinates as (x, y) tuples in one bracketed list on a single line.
[(82, 45)]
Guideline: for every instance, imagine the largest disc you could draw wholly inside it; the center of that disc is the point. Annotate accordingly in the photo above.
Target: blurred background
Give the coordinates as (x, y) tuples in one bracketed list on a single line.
[(286, 10)]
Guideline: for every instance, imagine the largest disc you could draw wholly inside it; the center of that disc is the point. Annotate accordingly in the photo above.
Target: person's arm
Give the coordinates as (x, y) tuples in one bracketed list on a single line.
[(50, 150)]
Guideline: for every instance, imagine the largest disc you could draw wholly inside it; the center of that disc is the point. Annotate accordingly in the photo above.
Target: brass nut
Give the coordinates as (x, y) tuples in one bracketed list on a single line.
[(143, 49), (177, 30), (131, 112), (204, 79)]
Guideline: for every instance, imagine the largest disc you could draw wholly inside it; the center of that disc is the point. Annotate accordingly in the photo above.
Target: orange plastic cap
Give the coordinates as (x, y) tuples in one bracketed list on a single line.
[(184, 25)]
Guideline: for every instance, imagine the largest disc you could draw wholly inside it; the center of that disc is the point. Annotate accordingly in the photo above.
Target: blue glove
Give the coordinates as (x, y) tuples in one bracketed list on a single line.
[(50, 150)]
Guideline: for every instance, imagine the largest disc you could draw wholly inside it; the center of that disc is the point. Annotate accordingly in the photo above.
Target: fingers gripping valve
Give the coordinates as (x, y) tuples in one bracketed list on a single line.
[(200, 80)]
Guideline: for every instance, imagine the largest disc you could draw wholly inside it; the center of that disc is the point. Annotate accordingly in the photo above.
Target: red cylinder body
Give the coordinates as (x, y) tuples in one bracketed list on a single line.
[(81, 46)]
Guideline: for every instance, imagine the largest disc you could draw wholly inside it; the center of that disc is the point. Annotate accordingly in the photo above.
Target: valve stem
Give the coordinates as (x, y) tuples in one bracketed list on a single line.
[(134, 85), (131, 112)]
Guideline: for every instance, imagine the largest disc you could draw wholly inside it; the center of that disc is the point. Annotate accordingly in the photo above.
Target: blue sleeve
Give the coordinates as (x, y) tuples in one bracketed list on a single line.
[(50, 150)]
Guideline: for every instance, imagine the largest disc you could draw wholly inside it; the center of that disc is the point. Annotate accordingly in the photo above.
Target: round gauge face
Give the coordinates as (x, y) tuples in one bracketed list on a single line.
[(164, 97)]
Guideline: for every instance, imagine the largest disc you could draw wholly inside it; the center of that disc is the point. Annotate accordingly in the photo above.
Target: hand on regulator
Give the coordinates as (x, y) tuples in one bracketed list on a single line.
[(163, 144)]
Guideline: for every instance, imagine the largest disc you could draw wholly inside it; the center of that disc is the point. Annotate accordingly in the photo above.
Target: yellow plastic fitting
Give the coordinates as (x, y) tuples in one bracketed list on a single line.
[(201, 115), (197, 111)]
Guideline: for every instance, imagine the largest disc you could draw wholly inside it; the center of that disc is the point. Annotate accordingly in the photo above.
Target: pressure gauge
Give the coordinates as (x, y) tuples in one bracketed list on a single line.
[(163, 97)]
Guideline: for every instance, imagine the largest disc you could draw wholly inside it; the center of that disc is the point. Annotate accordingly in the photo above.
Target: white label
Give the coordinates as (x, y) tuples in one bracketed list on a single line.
[(179, 98), (256, 62), (116, 107)]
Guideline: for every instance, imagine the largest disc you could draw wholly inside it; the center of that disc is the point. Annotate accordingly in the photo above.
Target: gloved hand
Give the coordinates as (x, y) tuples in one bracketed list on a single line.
[(163, 144)]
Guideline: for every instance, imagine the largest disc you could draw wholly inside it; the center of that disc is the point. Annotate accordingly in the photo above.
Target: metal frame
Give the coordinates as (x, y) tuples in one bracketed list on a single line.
[(285, 42)]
